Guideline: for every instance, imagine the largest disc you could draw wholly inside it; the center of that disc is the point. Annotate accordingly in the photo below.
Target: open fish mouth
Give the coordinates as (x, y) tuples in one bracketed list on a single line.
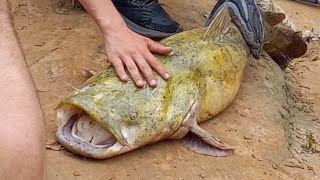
[(83, 128), (80, 133)]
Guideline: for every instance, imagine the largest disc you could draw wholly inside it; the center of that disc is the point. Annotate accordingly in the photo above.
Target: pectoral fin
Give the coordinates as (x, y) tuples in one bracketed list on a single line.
[(201, 141)]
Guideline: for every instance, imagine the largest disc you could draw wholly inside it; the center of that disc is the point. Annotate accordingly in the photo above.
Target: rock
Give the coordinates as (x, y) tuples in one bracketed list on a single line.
[(283, 40), (76, 173), (311, 35)]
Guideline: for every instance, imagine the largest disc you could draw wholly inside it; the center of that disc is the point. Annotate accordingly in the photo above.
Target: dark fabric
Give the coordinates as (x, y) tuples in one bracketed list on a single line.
[(148, 14), (249, 19)]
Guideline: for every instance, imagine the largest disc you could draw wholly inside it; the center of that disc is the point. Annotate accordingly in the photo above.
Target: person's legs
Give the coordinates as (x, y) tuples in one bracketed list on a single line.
[(147, 17), (22, 151)]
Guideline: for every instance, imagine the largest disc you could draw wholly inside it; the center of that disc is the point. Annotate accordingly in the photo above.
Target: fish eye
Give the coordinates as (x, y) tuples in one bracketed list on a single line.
[(133, 115)]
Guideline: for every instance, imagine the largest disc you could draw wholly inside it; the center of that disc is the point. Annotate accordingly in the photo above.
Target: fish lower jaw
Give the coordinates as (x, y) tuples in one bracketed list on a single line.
[(80, 134)]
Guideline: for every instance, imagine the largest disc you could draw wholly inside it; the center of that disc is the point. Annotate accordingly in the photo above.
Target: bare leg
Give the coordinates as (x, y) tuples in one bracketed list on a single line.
[(22, 151)]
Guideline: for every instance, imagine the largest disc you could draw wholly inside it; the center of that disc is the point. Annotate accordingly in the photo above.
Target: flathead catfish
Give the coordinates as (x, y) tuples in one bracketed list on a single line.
[(107, 117)]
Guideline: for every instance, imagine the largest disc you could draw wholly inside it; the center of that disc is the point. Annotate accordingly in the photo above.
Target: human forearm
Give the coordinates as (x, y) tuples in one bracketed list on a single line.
[(21, 122), (125, 48), (105, 14), (13, 67)]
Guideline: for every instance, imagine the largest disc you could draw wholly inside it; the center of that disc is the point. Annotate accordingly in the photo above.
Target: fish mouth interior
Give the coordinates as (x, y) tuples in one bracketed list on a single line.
[(86, 129), (82, 134)]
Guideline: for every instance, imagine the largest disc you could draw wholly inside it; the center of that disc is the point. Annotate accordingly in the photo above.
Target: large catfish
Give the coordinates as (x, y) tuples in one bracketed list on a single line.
[(107, 117)]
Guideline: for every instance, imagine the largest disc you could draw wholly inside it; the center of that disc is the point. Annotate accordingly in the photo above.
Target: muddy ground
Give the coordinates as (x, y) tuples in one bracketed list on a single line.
[(273, 122)]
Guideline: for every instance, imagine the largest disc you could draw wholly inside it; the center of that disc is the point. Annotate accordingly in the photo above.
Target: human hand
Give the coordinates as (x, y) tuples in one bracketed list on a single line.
[(126, 49)]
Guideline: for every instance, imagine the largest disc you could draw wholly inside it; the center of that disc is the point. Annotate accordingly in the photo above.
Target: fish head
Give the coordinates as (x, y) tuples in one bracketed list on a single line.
[(106, 120), (81, 134)]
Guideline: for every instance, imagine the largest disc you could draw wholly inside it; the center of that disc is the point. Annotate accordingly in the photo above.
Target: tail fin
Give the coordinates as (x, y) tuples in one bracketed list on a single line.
[(218, 24)]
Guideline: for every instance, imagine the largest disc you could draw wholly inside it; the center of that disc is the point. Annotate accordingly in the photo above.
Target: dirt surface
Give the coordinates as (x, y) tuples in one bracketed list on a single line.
[(273, 123)]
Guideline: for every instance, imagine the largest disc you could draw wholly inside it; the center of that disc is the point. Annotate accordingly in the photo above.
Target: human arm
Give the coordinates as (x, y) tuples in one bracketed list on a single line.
[(22, 140), (124, 47)]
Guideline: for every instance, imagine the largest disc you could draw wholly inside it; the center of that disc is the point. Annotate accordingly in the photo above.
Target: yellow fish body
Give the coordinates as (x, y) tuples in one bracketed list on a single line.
[(107, 117)]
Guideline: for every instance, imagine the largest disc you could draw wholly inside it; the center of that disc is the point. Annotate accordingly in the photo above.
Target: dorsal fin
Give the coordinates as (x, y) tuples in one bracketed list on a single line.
[(218, 24)]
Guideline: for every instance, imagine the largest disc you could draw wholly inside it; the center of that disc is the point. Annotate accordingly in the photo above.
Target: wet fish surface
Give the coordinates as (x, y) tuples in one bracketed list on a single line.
[(107, 117)]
